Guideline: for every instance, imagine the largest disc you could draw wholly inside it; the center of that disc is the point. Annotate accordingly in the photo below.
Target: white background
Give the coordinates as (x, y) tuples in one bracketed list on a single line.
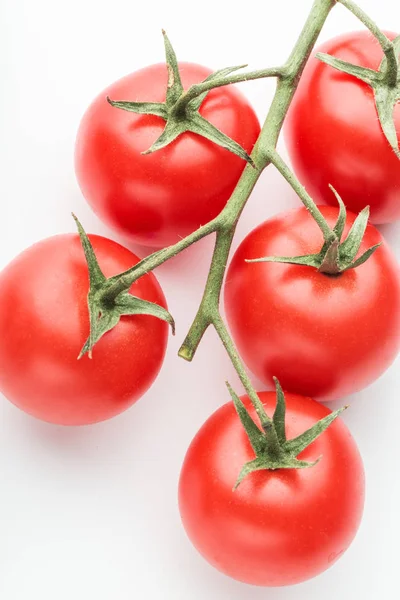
[(91, 513)]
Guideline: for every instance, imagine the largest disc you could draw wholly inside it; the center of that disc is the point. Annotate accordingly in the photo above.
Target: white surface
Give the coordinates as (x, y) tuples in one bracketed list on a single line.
[(92, 513)]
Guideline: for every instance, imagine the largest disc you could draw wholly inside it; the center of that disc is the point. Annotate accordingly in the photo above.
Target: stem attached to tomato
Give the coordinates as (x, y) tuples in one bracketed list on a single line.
[(229, 346), (386, 44), (306, 199)]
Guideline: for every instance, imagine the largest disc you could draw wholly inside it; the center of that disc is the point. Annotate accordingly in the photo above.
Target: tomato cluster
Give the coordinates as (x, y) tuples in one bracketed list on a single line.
[(323, 331)]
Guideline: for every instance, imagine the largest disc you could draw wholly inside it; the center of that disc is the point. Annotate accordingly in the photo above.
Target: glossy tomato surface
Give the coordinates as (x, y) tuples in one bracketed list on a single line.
[(322, 336), (334, 136), (44, 324), (156, 199), (279, 527)]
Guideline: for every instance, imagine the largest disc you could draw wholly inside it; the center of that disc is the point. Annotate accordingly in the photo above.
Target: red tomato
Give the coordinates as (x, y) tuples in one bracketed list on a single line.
[(44, 323), (156, 199), (279, 527), (334, 136), (320, 335)]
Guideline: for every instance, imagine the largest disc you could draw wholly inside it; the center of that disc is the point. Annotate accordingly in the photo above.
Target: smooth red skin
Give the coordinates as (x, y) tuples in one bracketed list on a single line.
[(44, 324), (322, 336), (159, 198), (279, 527), (333, 134)]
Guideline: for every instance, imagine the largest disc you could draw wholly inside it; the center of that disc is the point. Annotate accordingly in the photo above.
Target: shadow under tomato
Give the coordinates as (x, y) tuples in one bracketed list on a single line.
[(391, 233), (78, 443)]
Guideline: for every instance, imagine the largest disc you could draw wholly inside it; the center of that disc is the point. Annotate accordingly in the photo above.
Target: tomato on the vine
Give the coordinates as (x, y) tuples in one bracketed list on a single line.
[(334, 136), (157, 199), (44, 323), (278, 527), (322, 336)]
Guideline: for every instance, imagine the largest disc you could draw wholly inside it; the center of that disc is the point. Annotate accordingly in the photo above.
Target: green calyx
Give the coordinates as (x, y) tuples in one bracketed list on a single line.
[(336, 256), (180, 111), (272, 450), (385, 84), (105, 307)]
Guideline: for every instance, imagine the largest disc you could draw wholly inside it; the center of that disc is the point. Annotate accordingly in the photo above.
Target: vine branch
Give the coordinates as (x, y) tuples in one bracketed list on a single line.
[(300, 190)]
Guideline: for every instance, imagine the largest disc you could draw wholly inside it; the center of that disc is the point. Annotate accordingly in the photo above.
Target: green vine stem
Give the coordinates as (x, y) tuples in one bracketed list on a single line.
[(233, 354), (300, 190), (199, 88), (267, 424), (224, 225), (121, 282)]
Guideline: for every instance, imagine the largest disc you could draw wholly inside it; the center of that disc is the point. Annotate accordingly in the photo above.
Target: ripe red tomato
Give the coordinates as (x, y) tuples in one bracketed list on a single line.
[(156, 199), (334, 136), (325, 336), (44, 323), (279, 527)]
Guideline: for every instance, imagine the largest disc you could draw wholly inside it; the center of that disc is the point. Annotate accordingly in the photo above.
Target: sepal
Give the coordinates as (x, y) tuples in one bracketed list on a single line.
[(181, 112), (385, 85), (105, 312), (336, 256), (283, 454)]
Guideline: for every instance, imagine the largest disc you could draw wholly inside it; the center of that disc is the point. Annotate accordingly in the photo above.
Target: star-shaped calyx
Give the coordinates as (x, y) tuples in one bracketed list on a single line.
[(106, 303), (336, 256), (180, 111), (271, 448)]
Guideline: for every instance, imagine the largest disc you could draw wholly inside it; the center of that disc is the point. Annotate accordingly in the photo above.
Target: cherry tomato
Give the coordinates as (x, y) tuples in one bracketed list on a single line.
[(325, 336), (279, 527), (44, 323), (334, 136), (156, 199)]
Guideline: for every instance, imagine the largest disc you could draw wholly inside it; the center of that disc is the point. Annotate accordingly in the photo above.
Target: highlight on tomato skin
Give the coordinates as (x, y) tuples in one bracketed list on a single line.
[(334, 136), (322, 336), (44, 324), (157, 199), (279, 527)]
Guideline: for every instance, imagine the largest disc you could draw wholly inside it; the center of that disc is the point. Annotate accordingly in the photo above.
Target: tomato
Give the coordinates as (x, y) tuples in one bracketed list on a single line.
[(44, 323), (159, 198), (334, 136), (320, 335), (279, 527)]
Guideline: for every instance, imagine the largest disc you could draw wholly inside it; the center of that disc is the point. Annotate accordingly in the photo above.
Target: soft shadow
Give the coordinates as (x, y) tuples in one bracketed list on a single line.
[(391, 233), (75, 442)]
